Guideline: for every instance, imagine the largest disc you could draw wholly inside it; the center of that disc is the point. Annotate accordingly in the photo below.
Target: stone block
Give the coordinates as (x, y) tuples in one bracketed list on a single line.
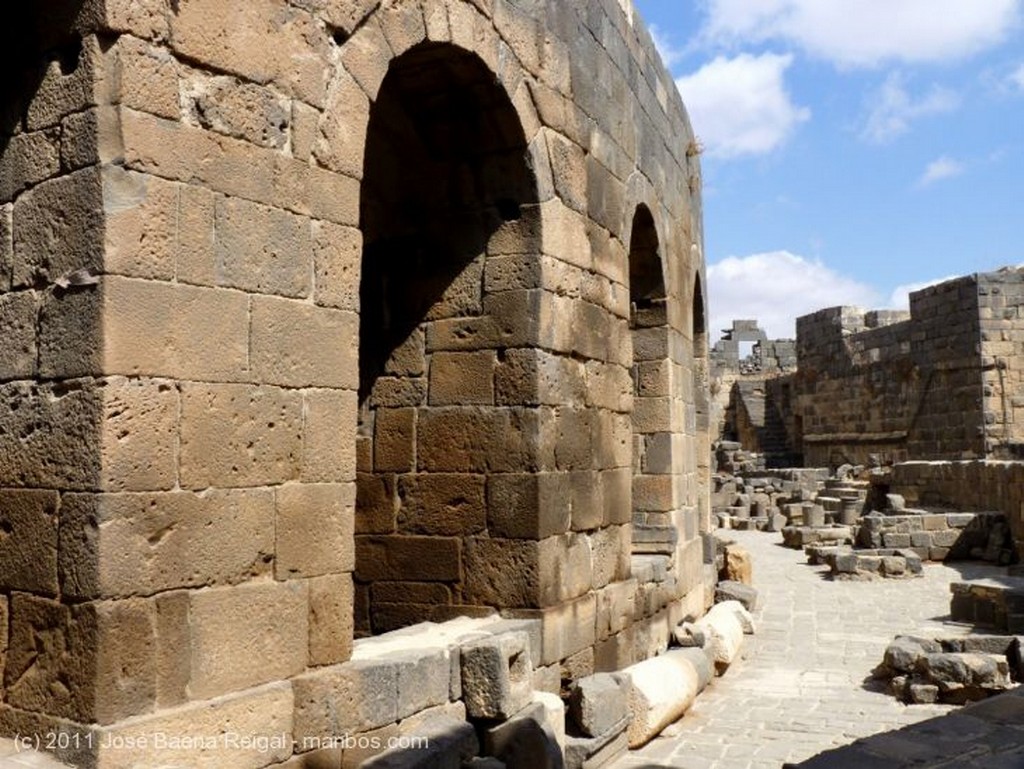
[(738, 565), (117, 545), (728, 590), (328, 441), (194, 252), (295, 344), (18, 323), (247, 635), (596, 752), (528, 738), (262, 250), (394, 439), (462, 378), (566, 628), (409, 558), (139, 441), (96, 667), (239, 435), (315, 525), (660, 689), (163, 329), (28, 542), (598, 703), (449, 742), (496, 675), (446, 504), (724, 631), (350, 698), (142, 224), (337, 262), (58, 228), (260, 719), (529, 505)]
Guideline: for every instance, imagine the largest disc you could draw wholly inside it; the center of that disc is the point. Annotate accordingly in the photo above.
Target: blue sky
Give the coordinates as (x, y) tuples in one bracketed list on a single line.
[(852, 148)]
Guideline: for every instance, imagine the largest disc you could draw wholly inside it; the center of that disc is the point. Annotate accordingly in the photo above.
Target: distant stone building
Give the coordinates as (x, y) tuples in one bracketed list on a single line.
[(944, 381), (748, 403), (328, 317)]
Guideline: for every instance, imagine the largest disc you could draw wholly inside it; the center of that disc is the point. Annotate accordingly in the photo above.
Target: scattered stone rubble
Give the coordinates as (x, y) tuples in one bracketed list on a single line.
[(951, 670), (470, 686)]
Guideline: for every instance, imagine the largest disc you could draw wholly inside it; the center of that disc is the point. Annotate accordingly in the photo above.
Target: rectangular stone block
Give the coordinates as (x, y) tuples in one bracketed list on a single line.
[(18, 322), (141, 226), (328, 436), (162, 329), (394, 439), (566, 629), (477, 439), (262, 249), (330, 619), (295, 344), (376, 503), (462, 378), (350, 698), (28, 542), (195, 261), (173, 658), (528, 505), (108, 674), (243, 731), (115, 545), (27, 159), (68, 211), (247, 635), (337, 264), (239, 435), (445, 504), (6, 246), (405, 557), (315, 525), (496, 675)]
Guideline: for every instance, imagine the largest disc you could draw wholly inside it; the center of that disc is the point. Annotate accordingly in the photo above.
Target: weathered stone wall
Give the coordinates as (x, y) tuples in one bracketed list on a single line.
[(196, 372), (966, 485), (889, 384)]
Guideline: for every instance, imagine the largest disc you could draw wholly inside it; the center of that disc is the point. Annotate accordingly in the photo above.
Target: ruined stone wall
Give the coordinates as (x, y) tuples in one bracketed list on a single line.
[(891, 385), (1001, 317), (976, 485), (197, 371)]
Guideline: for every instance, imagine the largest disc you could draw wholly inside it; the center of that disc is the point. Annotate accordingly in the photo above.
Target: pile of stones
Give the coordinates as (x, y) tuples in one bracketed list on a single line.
[(848, 564), (951, 670)]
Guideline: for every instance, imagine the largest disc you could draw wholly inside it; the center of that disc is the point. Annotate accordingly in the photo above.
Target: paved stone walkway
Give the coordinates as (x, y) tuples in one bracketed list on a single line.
[(800, 688)]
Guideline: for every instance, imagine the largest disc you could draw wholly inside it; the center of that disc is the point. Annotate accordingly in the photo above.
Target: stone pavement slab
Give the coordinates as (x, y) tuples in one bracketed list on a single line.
[(804, 684)]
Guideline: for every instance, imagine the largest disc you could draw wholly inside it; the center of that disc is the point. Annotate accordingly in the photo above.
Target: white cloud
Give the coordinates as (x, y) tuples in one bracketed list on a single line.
[(1016, 78), (900, 297), (669, 52), (776, 288), (869, 32), (893, 108), (740, 106), (941, 168)]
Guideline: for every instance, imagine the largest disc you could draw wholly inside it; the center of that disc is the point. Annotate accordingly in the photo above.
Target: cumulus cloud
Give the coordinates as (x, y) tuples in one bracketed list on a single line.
[(900, 297), (776, 288), (869, 32), (1016, 78), (893, 108), (941, 168), (740, 106)]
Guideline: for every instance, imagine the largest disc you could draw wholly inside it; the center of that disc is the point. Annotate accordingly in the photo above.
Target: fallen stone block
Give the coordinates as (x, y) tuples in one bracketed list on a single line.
[(661, 689), (597, 703), (687, 634), (738, 564), (528, 739), (737, 591), (594, 752), (497, 675), (440, 742)]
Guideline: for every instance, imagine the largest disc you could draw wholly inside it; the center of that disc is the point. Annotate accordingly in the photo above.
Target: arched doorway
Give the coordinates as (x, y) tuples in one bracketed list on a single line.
[(651, 369), (446, 187)]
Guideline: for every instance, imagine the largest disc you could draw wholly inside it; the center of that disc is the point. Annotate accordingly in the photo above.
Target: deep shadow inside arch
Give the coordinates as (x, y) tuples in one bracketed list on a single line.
[(649, 331), (445, 169)]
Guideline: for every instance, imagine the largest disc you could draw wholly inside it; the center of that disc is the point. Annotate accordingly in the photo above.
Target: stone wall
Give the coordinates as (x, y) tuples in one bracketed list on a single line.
[(296, 291), (966, 485), (892, 385)]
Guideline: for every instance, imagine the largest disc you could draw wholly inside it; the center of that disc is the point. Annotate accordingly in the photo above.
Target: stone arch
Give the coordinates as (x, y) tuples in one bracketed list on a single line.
[(650, 334), (447, 193)]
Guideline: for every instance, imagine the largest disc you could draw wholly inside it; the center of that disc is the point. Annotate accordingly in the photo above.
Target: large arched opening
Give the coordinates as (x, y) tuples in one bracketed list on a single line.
[(446, 186), (652, 392)]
